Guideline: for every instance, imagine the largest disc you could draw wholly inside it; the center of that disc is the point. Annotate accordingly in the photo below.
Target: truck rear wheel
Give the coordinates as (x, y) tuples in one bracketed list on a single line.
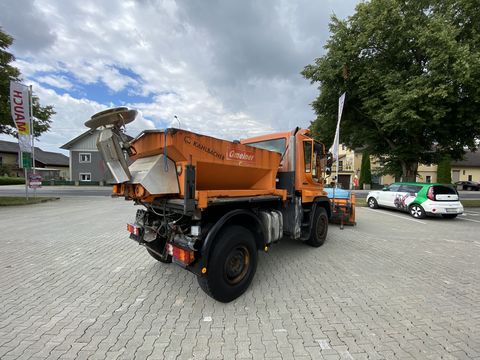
[(232, 264), (319, 228)]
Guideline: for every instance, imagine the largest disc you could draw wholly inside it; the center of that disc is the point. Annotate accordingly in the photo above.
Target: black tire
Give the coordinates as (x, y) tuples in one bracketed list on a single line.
[(164, 257), (449, 216), (416, 211), (319, 228), (372, 203), (231, 266)]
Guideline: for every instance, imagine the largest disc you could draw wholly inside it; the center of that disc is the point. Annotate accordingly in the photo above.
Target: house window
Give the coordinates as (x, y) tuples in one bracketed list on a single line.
[(85, 157), (340, 165), (85, 177), (428, 179), (469, 177)]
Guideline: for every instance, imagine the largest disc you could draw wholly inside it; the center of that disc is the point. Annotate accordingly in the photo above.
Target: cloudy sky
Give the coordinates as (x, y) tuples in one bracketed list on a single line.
[(225, 68)]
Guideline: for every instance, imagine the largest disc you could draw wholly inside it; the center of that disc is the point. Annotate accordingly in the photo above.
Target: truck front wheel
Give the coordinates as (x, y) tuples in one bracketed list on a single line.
[(319, 228), (232, 264)]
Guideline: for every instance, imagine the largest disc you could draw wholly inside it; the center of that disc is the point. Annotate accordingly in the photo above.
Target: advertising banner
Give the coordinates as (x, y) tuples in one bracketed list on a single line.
[(341, 101), (20, 107)]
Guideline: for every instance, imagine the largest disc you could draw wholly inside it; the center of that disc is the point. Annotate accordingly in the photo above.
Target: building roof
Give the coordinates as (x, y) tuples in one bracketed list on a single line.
[(470, 159), (45, 157), (9, 147), (51, 158), (87, 133), (72, 142)]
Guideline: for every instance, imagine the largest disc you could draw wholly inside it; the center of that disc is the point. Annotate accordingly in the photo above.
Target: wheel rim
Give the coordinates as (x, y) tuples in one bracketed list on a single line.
[(321, 228), (370, 203), (237, 264), (415, 211)]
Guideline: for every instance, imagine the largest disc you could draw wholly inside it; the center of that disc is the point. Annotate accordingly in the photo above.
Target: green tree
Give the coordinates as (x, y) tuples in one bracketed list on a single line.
[(42, 114), (410, 70), (444, 170), (365, 170)]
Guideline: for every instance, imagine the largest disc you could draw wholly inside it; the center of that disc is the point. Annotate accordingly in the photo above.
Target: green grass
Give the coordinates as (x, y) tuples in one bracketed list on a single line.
[(17, 200), (465, 202), (470, 203)]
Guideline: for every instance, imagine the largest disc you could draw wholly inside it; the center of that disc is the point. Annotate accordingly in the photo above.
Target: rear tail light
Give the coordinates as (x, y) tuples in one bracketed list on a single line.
[(133, 229), (430, 194), (182, 255)]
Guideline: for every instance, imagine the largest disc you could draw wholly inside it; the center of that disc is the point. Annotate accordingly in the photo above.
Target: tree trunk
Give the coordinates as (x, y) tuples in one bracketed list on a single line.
[(409, 171)]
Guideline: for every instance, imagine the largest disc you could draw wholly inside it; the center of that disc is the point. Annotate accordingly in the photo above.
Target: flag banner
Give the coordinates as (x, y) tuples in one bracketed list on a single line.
[(20, 107), (341, 101)]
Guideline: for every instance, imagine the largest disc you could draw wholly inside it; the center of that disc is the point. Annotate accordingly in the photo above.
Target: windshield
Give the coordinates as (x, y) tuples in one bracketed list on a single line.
[(277, 145)]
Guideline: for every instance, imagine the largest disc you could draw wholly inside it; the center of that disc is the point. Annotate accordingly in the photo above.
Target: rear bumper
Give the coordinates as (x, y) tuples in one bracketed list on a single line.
[(441, 209)]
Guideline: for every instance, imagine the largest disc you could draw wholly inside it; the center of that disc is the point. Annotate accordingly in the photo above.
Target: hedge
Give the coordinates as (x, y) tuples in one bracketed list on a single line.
[(6, 180)]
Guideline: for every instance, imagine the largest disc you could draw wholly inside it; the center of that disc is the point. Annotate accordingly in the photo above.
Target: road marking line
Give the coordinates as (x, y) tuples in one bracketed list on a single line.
[(398, 216), (477, 221)]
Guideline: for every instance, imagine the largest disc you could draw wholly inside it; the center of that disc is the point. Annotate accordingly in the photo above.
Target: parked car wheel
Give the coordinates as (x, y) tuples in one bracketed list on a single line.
[(231, 266), (417, 211), (449, 216), (372, 203)]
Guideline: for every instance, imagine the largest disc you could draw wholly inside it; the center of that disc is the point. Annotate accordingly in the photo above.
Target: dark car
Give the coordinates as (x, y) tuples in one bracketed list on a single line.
[(467, 185)]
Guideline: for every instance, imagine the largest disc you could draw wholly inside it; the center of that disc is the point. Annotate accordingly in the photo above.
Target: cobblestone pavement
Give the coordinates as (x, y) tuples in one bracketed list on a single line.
[(72, 286)]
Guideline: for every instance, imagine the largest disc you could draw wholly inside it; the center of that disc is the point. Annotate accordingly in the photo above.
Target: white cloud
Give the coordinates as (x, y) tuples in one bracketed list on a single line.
[(59, 82), (225, 68)]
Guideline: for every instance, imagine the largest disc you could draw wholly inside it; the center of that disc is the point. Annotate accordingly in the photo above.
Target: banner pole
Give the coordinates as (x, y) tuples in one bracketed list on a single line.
[(26, 183), (32, 134)]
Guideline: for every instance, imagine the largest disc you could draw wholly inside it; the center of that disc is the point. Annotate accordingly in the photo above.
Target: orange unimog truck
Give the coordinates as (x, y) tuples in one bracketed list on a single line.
[(211, 204)]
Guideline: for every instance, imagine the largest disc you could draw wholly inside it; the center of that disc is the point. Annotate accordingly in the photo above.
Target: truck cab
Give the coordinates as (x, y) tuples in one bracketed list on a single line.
[(300, 173)]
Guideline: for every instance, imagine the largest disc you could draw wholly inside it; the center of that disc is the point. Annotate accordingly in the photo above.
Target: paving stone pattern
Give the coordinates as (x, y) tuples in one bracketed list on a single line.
[(73, 286)]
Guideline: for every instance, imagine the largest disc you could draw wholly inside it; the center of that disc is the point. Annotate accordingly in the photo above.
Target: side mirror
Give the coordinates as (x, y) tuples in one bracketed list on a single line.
[(329, 163)]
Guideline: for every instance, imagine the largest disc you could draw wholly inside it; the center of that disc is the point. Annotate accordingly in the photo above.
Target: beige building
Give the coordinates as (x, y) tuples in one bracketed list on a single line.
[(350, 162), (468, 169)]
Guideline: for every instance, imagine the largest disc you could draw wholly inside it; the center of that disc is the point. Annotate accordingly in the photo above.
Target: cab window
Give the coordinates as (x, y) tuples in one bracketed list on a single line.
[(307, 155), (318, 151)]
